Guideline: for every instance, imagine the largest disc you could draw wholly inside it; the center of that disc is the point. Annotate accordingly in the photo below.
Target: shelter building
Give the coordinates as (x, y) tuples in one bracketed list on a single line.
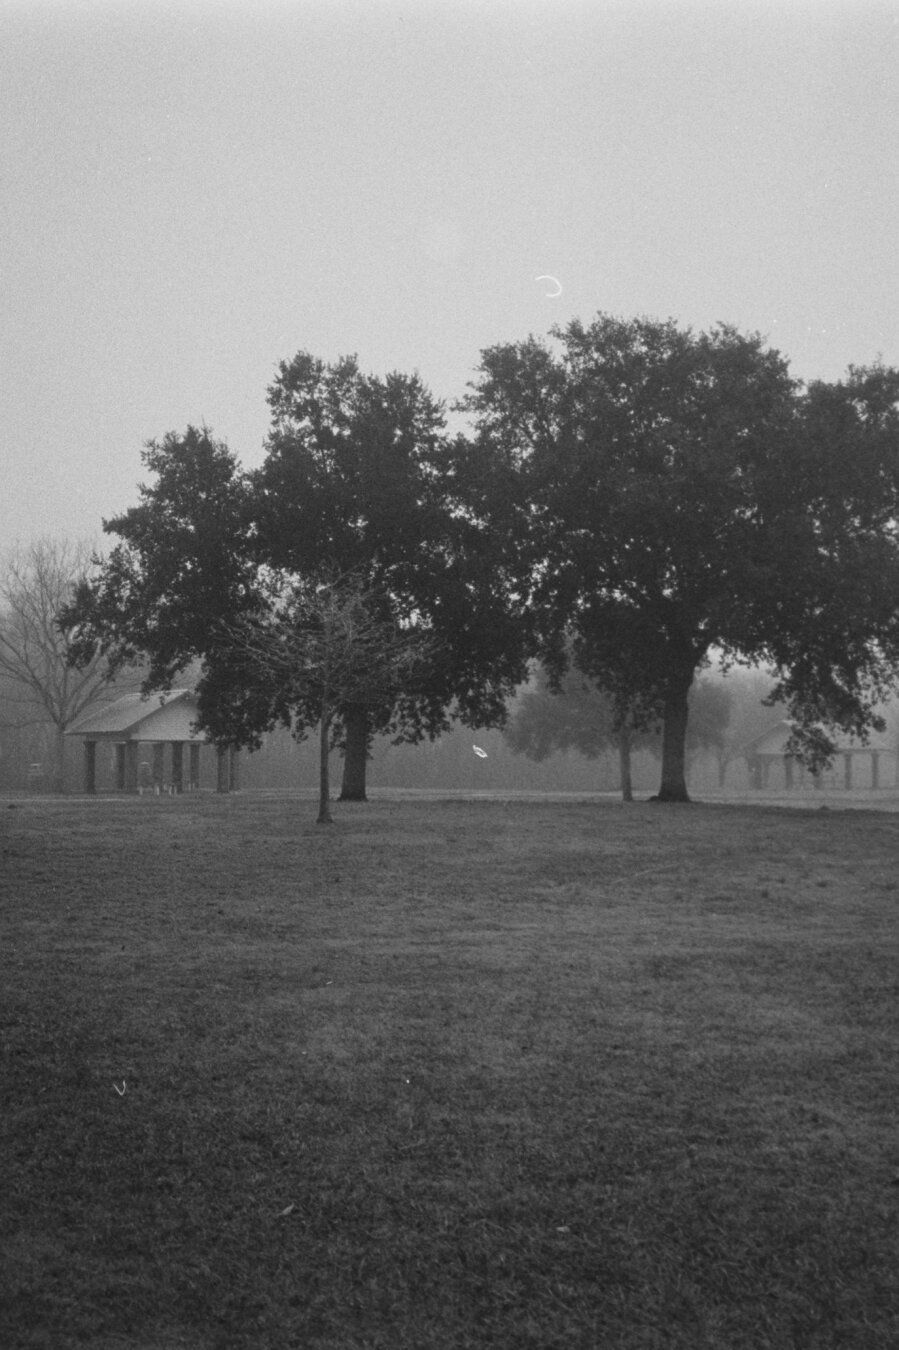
[(856, 765), (162, 722)]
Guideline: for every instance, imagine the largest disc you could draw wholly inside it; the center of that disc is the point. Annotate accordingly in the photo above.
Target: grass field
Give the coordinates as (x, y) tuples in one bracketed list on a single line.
[(449, 1074)]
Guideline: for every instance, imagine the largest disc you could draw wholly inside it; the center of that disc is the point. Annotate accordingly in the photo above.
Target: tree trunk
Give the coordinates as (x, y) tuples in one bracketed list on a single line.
[(624, 763), (674, 736), (224, 761), (355, 755), (324, 781)]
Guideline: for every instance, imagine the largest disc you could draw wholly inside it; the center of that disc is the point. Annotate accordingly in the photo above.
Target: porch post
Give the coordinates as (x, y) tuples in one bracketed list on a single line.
[(132, 756), (847, 770), (875, 768), (90, 766), (223, 770), (177, 766), (120, 766), (158, 766), (194, 771)]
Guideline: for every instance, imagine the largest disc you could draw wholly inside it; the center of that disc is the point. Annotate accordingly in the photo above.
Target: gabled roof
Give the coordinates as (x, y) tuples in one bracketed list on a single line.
[(773, 741), (157, 717), (776, 735)]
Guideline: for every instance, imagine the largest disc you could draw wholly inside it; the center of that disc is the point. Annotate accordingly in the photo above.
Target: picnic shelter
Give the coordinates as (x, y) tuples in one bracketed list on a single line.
[(164, 724)]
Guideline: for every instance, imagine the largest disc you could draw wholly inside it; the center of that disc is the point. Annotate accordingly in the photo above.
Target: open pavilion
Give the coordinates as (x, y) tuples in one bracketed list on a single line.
[(163, 723), (872, 764)]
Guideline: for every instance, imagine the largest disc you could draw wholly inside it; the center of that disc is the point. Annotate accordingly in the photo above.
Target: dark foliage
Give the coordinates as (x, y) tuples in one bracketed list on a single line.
[(677, 493)]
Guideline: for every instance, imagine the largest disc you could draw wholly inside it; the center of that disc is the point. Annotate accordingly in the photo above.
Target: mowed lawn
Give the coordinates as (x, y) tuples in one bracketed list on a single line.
[(448, 1074)]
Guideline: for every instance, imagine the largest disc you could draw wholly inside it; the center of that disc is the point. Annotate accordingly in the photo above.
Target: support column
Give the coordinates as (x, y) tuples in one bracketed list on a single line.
[(90, 766), (158, 767), (875, 768), (224, 770), (177, 766), (847, 770), (132, 760), (120, 766), (193, 775), (788, 771)]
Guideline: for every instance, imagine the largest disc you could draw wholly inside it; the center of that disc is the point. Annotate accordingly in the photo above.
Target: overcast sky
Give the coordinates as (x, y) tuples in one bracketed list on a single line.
[(193, 192)]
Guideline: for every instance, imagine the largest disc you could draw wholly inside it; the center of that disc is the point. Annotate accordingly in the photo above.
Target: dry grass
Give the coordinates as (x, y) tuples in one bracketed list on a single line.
[(452, 1074)]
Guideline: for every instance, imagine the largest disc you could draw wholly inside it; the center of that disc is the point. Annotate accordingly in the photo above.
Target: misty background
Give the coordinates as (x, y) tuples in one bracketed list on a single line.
[(192, 192)]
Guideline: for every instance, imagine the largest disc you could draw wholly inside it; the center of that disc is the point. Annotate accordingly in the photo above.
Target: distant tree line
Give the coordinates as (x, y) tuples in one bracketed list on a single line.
[(631, 502), (574, 713)]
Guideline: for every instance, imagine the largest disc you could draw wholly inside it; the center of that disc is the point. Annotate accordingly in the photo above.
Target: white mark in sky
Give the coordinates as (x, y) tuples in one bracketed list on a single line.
[(481, 754), (551, 295)]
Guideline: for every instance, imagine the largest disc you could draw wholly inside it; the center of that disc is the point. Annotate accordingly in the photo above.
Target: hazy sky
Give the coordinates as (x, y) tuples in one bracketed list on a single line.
[(193, 192)]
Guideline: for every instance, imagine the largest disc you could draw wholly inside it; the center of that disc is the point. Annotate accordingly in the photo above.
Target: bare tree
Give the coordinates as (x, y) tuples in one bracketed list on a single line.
[(319, 649), (41, 688)]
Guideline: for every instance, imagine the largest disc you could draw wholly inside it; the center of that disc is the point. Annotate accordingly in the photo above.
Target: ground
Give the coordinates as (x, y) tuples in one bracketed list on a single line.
[(452, 1073)]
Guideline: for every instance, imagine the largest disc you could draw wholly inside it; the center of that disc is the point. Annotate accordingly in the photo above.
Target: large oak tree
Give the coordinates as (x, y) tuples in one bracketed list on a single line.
[(679, 494), (358, 480), (360, 477)]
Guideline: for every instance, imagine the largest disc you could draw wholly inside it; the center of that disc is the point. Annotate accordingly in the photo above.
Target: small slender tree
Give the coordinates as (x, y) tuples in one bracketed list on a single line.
[(322, 645)]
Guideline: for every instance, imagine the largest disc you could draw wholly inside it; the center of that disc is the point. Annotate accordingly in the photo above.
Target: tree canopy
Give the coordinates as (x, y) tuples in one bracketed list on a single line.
[(358, 479), (633, 497), (679, 494), (186, 563), (360, 476)]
